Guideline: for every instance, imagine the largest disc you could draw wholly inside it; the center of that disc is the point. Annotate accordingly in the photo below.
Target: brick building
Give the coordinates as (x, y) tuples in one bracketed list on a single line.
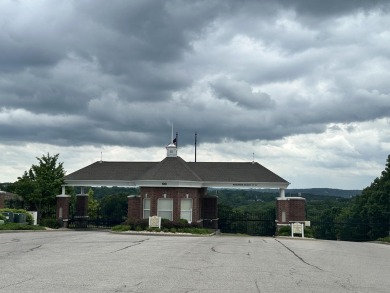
[(172, 189)]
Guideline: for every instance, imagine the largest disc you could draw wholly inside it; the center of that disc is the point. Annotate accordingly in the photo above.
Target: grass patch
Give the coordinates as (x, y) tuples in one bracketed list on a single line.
[(16, 226)]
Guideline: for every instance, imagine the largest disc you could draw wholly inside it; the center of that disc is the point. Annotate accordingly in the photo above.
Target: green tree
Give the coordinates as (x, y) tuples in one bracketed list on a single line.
[(93, 205), (41, 184), (372, 207)]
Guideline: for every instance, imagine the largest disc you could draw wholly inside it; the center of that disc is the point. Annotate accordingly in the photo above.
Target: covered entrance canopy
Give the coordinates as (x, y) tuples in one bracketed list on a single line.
[(164, 185)]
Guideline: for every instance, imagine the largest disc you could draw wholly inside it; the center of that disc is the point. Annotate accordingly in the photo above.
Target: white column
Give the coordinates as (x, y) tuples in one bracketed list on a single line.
[(281, 193)]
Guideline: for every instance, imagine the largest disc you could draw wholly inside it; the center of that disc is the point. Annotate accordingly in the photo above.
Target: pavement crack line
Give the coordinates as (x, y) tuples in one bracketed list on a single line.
[(135, 243), (125, 247), (14, 284), (257, 287), (34, 248), (300, 258)]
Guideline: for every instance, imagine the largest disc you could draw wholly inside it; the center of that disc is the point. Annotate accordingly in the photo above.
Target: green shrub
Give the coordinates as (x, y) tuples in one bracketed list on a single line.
[(384, 239), (121, 228), (308, 232), (51, 223), (284, 231), (140, 224), (181, 226), (17, 226), (2, 217), (194, 230)]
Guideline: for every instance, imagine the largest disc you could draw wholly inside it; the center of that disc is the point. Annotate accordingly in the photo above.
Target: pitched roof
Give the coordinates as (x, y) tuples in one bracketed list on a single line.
[(171, 168), (174, 171), (235, 172)]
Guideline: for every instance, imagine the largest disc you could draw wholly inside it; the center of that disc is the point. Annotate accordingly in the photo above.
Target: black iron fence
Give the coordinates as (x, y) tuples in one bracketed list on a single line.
[(101, 218), (349, 229), (259, 224)]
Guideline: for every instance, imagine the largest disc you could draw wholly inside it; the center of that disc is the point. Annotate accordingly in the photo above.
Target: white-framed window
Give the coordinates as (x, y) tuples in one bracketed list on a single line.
[(186, 209), (165, 208), (146, 208)]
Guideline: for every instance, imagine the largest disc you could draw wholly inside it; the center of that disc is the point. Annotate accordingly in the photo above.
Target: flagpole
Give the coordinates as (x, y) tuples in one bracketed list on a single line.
[(195, 145), (172, 133)]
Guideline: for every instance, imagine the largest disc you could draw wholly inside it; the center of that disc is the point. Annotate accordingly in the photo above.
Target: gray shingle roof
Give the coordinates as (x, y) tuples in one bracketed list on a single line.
[(171, 168), (176, 169), (122, 171), (234, 172)]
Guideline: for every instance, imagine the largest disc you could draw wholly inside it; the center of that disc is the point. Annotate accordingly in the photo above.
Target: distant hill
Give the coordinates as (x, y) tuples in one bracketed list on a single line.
[(299, 192), (312, 191), (324, 191)]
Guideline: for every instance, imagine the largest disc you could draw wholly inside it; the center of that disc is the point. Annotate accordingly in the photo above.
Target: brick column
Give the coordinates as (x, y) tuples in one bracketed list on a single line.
[(210, 212), (133, 207), (82, 206), (2, 195), (290, 209), (62, 209)]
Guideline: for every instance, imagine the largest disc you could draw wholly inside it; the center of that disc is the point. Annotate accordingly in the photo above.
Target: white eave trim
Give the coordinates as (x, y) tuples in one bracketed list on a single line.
[(169, 183), (238, 185), (177, 183), (99, 183)]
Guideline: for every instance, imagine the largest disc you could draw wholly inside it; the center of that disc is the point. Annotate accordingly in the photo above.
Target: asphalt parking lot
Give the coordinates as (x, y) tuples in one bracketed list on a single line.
[(96, 261)]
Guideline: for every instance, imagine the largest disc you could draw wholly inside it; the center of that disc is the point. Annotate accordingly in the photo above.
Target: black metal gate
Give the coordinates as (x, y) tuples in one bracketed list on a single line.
[(247, 223), (101, 219)]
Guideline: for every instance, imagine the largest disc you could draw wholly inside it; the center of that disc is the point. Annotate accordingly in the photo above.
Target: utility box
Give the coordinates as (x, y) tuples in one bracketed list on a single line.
[(35, 217), (19, 218), (9, 216)]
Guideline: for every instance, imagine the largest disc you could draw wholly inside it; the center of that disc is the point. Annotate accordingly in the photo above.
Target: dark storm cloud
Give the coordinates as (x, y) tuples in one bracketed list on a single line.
[(319, 8), (119, 73)]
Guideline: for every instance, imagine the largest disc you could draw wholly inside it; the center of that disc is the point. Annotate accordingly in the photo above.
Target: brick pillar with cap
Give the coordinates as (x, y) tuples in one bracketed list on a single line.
[(62, 208)]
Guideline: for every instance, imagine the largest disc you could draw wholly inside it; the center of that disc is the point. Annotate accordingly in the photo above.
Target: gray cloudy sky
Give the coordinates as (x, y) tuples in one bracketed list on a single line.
[(302, 84)]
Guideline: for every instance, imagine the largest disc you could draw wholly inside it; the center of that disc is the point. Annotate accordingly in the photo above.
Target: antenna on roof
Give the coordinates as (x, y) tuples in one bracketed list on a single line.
[(253, 158), (101, 157)]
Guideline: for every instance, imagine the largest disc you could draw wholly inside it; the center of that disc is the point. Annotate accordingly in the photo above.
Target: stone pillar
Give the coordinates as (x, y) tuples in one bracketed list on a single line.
[(62, 209), (134, 207)]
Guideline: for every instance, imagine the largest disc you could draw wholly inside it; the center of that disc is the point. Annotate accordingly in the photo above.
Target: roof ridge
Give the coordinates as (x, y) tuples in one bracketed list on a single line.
[(189, 168)]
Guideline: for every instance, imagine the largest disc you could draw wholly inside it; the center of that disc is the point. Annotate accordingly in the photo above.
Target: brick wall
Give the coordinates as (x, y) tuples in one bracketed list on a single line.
[(175, 193), (290, 210)]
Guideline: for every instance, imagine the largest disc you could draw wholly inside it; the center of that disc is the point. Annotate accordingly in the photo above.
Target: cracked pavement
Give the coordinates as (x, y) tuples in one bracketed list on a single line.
[(97, 261)]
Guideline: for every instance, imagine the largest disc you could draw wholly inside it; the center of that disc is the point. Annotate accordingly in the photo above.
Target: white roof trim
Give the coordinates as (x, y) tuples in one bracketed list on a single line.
[(176, 183)]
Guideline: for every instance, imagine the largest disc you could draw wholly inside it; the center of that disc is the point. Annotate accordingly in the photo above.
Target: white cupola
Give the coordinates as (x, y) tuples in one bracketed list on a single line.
[(171, 150)]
